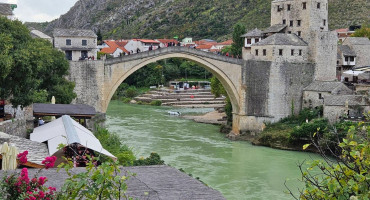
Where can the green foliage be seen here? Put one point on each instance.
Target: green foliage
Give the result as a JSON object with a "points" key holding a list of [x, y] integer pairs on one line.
{"points": [[112, 143], [126, 100], [153, 159], [131, 92], [238, 42], [28, 66], [229, 110], [362, 32], [97, 182], [170, 69], [156, 103], [217, 88], [306, 130], [40, 96], [344, 177]]}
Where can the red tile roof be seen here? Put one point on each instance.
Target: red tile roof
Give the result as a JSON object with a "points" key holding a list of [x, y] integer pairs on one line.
{"points": [[342, 30], [165, 41], [108, 50], [122, 45], [203, 42], [148, 41], [227, 42], [113, 45], [204, 46]]}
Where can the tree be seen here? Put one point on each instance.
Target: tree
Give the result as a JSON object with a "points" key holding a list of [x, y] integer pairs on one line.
{"points": [[238, 42], [362, 32], [28, 67], [345, 173]]}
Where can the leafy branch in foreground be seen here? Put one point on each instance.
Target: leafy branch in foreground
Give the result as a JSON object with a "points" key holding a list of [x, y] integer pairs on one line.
{"points": [[344, 171]]}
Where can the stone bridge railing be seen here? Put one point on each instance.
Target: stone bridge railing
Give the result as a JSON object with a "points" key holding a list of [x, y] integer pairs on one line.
{"points": [[169, 50]]}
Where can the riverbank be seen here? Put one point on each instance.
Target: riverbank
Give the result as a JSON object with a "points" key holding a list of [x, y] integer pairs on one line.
{"points": [[214, 117]]}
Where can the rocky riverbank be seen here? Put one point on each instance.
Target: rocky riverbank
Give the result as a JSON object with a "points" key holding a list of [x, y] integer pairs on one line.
{"points": [[215, 117]]}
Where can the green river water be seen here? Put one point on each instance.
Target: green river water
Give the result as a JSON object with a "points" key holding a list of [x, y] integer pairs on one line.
{"points": [[238, 170]]}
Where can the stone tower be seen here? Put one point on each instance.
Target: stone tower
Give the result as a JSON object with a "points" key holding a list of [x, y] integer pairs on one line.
{"points": [[309, 20]]}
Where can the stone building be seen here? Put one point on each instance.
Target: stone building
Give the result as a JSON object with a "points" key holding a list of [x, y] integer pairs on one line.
{"points": [[281, 47], [38, 34], [301, 29], [6, 10], [346, 60], [251, 38], [361, 47], [75, 43], [350, 107], [318, 91]]}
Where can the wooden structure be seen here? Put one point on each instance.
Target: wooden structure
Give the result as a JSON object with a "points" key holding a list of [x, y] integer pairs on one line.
{"points": [[77, 111]]}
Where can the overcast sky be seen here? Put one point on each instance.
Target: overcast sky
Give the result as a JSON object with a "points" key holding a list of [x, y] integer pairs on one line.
{"points": [[40, 10]]}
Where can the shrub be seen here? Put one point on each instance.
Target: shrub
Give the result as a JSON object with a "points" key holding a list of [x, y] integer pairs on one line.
{"points": [[153, 159], [112, 143], [131, 92], [126, 100], [306, 130], [156, 103]]}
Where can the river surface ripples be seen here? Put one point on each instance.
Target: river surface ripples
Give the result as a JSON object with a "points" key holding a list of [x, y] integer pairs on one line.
{"points": [[238, 170]]}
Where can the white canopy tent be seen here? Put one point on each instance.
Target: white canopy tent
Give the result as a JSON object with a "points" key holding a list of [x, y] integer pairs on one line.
{"points": [[65, 130]]}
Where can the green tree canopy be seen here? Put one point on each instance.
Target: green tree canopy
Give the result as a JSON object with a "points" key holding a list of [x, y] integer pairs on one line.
{"points": [[362, 32], [238, 42], [29, 67]]}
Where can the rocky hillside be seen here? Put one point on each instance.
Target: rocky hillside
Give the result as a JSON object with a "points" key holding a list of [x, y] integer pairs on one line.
{"points": [[197, 18]]}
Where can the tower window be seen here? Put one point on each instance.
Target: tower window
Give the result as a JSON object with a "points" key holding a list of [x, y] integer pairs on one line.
{"points": [[280, 52], [84, 42], [320, 96], [288, 7], [264, 52], [299, 33], [68, 42], [256, 52], [304, 4], [318, 5], [298, 22], [292, 52], [291, 23], [300, 52], [284, 21], [278, 8], [324, 22]]}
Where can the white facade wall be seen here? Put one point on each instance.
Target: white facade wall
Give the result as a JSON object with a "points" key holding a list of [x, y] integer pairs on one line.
{"points": [[253, 41], [133, 45]]}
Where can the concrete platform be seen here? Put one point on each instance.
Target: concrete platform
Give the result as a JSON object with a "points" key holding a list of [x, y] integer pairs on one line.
{"points": [[150, 182]]}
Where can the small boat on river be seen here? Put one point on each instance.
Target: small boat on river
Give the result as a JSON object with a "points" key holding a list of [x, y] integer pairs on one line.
{"points": [[174, 113]]}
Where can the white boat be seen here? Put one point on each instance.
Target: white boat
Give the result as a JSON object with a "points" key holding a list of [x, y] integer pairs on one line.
{"points": [[174, 113]]}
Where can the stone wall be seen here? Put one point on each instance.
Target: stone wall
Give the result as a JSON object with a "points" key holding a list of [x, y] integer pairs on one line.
{"points": [[323, 51], [16, 127], [88, 77], [76, 43], [287, 81], [97, 120], [273, 89], [311, 18], [311, 99], [334, 113], [272, 53]]}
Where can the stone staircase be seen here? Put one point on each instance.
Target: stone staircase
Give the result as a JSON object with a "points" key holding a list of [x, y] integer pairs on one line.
{"points": [[183, 98]]}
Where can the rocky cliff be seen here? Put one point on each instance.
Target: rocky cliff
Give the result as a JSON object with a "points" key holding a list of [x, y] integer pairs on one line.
{"points": [[197, 18]]}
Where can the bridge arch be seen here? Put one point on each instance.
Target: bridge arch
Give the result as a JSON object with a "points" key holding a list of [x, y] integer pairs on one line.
{"points": [[227, 70]]}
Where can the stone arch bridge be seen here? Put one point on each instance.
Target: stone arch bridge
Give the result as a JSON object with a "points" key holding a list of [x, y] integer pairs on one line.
{"points": [[260, 91]]}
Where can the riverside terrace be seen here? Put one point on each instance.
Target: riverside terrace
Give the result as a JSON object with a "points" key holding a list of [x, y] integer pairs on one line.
{"points": [[149, 182]]}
